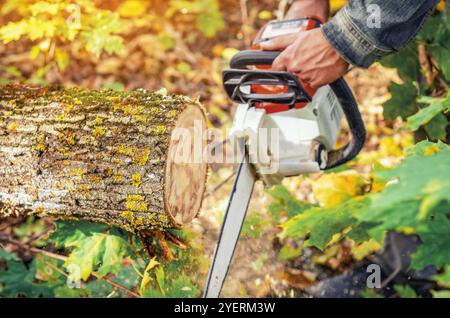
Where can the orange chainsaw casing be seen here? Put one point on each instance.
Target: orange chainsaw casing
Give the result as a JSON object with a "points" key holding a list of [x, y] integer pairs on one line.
{"points": [[272, 30]]}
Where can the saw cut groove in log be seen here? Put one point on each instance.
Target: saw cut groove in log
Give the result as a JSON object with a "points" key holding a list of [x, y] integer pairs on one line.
{"points": [[101, 156]]}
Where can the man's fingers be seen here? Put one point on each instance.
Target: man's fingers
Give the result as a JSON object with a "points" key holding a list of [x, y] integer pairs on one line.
{"points": [[279, 64], [279, 43]]}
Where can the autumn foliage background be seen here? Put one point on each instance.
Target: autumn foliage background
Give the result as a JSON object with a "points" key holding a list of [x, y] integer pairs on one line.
{"points": [[297, 234]]}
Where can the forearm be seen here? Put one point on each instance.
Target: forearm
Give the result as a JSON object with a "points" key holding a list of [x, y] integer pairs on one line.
{"points": [[366, 30]]}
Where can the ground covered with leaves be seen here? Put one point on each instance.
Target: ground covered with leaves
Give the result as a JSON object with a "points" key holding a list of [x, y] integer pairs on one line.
{"points": [[297, 235]]}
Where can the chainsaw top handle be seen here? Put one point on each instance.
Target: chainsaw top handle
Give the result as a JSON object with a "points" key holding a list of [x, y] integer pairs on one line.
{"points": [[239, 76], [239, 79], [247, 58]]}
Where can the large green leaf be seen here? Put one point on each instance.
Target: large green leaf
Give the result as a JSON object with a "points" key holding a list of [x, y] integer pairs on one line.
{"points": [[405, 291], [283, 201], [444, 278], [406, 61], [442, 55], [319, 225], [402, 103], [415, 200], [426, 114], [7, 256], [92, 248], [19, 280], [416, 178], [436, 129], [435, 247], [400, 216], [180, 287]]}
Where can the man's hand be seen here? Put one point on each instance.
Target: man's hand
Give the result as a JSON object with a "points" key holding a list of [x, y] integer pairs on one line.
{"points": [[309, 55]]}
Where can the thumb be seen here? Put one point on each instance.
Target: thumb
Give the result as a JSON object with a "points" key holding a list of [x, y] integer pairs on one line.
{"points": [[279, 43]]}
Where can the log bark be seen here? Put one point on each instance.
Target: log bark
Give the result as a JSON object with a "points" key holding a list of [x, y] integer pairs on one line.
{"points": [[100, 156]]}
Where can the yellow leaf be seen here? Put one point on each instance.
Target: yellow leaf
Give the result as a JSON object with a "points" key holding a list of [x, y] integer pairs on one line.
{"points": [[62, 59], [133, 8], [147, 278], [334, 188], [228, 53], [378, 185], [364, 249], [390, 147], [34, 53]]}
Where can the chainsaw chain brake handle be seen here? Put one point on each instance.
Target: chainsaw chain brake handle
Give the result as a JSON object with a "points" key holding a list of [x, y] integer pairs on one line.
{"points": [[239, 77]]}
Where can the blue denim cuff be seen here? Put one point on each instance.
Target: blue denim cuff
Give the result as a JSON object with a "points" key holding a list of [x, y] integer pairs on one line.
{"points": [[350, 42]]}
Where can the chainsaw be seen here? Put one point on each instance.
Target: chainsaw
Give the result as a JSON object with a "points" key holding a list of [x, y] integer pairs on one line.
{"points": [[281, 128]]}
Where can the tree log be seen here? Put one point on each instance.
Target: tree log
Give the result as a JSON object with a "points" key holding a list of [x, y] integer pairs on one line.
{"points": [[100, 156]]}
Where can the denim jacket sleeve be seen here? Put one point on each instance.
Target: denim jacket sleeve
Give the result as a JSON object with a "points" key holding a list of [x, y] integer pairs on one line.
{"points": [[366, 30]]}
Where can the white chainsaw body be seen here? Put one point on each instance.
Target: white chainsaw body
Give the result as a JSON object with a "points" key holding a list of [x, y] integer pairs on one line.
{"points": [[292, 142]]}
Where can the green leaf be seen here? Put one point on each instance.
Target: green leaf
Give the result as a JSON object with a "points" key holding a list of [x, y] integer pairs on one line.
{"points": [[7, 256], [210, 23], [441, 293], [160, 278], [405, 291], [401, 216], [406, 61], [68, 232], [435, 247], [92, 247], [101, 36], [425, 115], [402, 103], [415, 179], [254, 225], [65, 291], [370, 293], [442, 55], [288, 252], [181, 287], [444, 278], [436, 129], [322, 224], [115, 249], [208, 16], [45, 268], [425, 148], [283, 201], [18, 280]]}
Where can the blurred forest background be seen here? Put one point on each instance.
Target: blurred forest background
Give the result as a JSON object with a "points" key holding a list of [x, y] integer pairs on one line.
{"points": [[298, 236]]}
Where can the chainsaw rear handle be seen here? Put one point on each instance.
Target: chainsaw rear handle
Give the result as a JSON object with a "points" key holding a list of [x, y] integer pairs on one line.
{"points": [[340, 88], [356, 124]]}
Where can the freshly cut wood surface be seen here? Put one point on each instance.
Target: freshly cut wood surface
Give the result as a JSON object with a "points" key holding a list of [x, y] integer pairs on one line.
{"points": [[101, 156]]}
